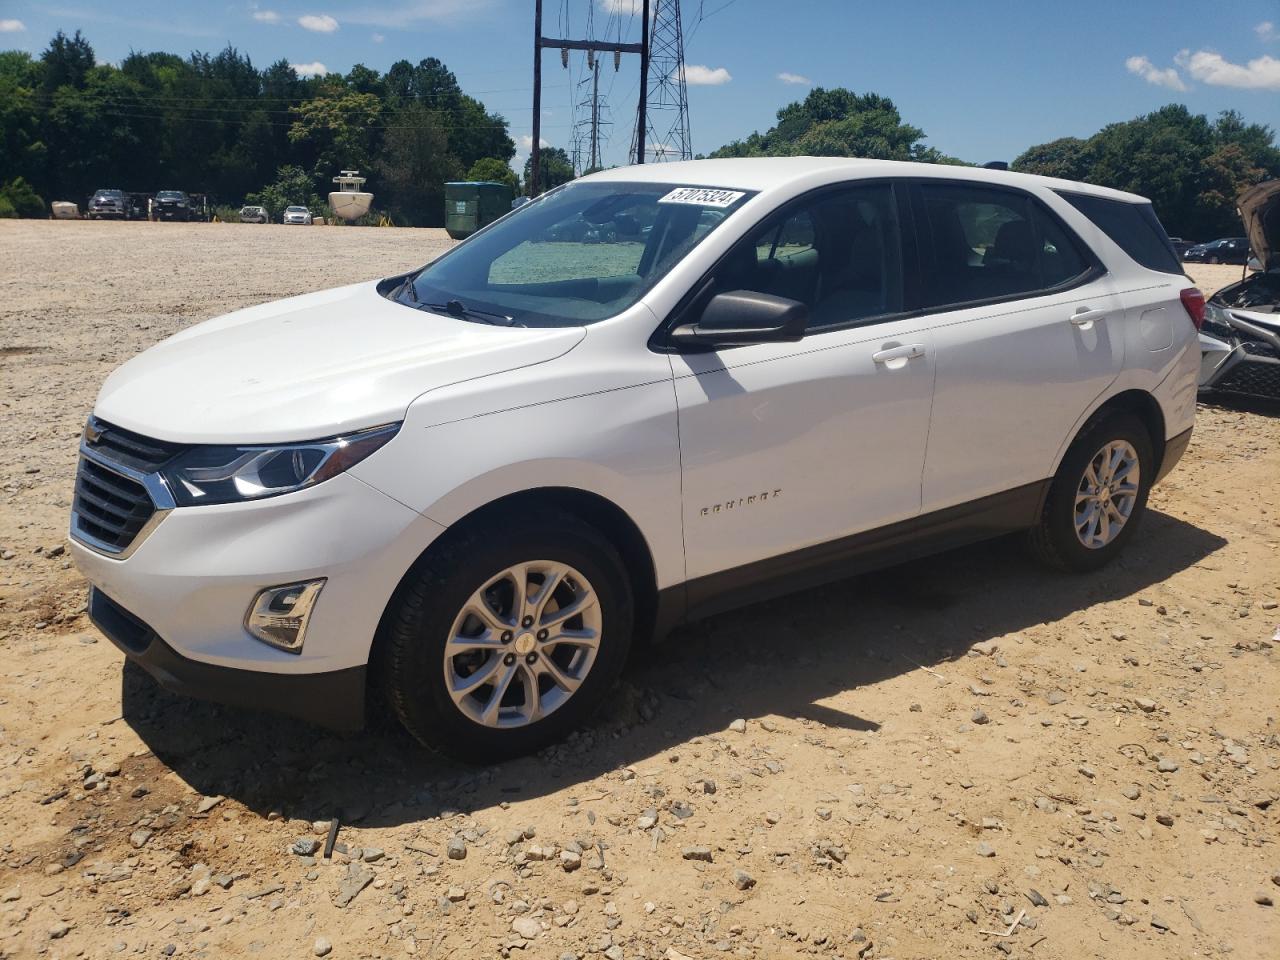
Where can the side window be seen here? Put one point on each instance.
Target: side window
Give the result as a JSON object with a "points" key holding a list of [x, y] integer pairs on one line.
{"points": [[1060, 258], [838, 253], [1133, 227], [985, 244]]}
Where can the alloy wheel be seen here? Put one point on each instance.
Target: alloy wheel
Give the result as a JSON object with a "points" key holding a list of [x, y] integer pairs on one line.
{"points": [[522, 644], [1107, 494]]}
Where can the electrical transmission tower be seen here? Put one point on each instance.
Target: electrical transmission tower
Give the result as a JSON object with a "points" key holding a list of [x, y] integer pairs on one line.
{"points": [[595, 47], [589, 132], [667, 113]]}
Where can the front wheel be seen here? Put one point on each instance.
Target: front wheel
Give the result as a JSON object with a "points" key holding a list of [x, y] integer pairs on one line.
{"points": [[508, 637], [1097, 496]]}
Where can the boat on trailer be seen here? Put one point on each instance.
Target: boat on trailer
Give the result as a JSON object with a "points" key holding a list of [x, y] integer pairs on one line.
{"points": [[349, 201]]}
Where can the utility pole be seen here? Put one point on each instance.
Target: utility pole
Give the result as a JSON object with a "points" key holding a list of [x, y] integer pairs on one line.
{"points": [[564, 45], [641, 120], [532, 185], [595, 116]]}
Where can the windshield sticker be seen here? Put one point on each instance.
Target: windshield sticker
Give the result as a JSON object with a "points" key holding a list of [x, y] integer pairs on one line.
{"points": [[703, 197]]}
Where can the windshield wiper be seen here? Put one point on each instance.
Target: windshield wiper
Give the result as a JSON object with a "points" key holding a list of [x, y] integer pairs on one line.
{"points": [[456, 308], [407, 286]]}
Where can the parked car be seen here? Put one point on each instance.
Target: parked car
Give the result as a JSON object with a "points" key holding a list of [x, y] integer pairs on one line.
{"points": [[1230, 250], [473, 485], [254, 215], [107, 205], [171, 205], [1180, 246], [1242, 320], [296, 215]]}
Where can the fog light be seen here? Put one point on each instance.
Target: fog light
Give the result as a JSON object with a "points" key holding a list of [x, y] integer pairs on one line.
{"points": [[279, 615]]}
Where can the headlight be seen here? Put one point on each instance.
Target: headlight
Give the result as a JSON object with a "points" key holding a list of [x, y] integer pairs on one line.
{"points": [[208, 474]]}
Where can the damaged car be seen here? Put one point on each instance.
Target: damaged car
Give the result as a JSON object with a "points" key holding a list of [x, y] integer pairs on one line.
{"points": [[1240, 339]]}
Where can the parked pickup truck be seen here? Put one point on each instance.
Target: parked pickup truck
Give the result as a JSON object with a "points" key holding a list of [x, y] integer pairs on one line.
{"points": [[106, 205]]}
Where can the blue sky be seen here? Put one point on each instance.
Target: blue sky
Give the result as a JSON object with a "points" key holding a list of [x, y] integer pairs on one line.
{"points": [[984, 80]]}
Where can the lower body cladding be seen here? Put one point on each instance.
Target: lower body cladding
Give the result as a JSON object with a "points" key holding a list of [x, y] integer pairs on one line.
{"points": [[179, 605], [1240, 356]]}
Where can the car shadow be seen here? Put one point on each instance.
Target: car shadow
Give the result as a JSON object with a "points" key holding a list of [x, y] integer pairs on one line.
{"points": [[1262, 406], [779, 658]]}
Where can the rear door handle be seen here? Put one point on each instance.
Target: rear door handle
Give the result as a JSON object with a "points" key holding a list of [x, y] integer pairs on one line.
{"points": [[1086, 315], [908, 351]]}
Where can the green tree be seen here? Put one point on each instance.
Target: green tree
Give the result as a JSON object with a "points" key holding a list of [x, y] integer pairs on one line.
{"points": [[498, 171], [415, 164], [67, 61], [21, 146], [18, 196], [292, 187], [337, 132], [1192, 169], [554, 168], [838, 123]]}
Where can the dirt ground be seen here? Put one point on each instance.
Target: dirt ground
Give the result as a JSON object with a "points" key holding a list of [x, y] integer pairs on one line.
{"points": [[962, 757]]}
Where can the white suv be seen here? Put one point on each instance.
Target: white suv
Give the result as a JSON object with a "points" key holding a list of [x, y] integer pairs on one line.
{"points": [[651, 394]]}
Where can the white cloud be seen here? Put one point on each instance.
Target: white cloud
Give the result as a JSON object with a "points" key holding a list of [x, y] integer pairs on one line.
{"points": [[697, 75], [313, 69], [526, 142], [12, 26], [623, 7], [266, 16], [1148, 71], [794, 78], [318, 23], [406, 13], [377, 38], [1266, 31], [1261, 73]]}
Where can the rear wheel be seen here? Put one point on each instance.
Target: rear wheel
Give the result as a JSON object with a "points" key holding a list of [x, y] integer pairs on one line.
{"points": [[1098, 495], [508, 637]]}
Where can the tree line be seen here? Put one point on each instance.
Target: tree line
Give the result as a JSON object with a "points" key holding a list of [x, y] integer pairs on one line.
{"points": [[216, 124]]}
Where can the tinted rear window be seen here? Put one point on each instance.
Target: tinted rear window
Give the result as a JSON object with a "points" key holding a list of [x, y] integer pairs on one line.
{"points": [[1134, 228]]}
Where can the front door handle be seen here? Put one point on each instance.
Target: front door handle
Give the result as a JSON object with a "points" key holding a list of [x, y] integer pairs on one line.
{"points": [[908, 351], [1086, 315]]}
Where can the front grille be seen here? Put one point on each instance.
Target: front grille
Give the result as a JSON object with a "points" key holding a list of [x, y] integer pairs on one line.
{"points": [[112, 504], [1260, 348], [133, 450], [1257, 378], [109, 507]]}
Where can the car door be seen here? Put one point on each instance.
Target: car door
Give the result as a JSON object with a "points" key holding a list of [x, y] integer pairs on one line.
{"points": [[788, 445], [1028, 332]]}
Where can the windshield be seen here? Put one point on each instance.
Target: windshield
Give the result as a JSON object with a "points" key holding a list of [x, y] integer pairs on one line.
{"points": [[295, 209], [171, 195], [582, 253]]}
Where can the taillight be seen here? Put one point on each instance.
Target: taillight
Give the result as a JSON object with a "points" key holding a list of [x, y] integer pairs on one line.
{"points": [[1193, 302]]}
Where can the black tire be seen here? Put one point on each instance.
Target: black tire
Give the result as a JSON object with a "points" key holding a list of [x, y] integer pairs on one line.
{"points": [[1054, 539], [421, 614]]}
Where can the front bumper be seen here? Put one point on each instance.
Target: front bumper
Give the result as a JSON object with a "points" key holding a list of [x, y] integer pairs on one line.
{"points": [[193, 577], [333, 699], [1243, 358]]}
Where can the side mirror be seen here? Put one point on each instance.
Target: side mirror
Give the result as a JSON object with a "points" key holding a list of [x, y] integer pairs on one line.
{"points": [[738, 318]]}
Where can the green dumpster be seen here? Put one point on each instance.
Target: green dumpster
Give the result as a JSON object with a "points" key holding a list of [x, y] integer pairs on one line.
{"points": [[470, 205]]}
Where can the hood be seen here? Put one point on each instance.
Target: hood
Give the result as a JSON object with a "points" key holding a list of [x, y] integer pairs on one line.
{"points": [[1260, 211], [310, 367]]}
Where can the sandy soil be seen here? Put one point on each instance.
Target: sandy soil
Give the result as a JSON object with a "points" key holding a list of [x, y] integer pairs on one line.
{"points": [[962, 757]]}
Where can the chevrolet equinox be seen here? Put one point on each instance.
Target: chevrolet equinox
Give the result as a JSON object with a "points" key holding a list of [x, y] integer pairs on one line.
{"points": [[647, 396]]}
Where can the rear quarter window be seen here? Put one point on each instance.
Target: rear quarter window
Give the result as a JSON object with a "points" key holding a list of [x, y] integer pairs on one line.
{"points": [[1133, 227]]}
